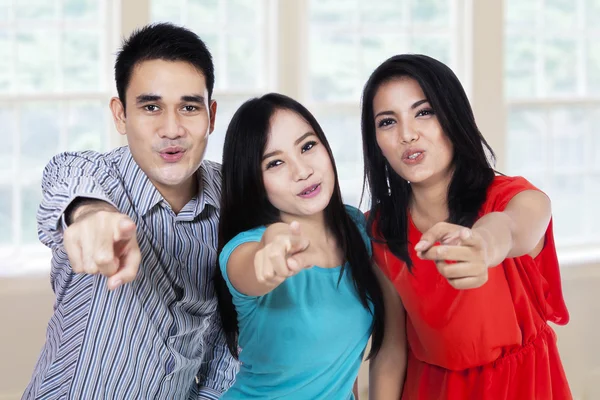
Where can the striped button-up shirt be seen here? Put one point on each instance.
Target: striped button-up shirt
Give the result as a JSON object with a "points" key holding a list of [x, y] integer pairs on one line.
{"points": [[158, 337]]}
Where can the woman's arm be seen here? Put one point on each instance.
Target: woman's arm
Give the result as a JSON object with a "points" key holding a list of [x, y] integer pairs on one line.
{"points": [[256, 268], [388, 368], [518, 230]]}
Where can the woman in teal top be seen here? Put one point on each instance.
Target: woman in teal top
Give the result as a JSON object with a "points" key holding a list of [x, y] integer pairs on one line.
{"points": [[298, 295]]}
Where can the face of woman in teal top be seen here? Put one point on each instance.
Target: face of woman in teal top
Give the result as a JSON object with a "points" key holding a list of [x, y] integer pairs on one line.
{"points": [[297, 171]]}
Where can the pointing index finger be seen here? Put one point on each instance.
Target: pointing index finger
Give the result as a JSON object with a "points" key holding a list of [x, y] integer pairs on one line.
{"points": [[298, 242]]}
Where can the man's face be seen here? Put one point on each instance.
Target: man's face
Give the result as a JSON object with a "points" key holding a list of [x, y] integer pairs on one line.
{"points": [[167, 121]]}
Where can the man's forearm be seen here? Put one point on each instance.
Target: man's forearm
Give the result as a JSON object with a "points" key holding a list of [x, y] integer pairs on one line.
{"points": [[82, 207]]}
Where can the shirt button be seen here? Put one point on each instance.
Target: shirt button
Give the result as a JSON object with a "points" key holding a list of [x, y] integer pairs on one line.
{"points": [[171, 340]]}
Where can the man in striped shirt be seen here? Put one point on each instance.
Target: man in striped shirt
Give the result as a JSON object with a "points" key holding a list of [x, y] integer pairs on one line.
{"points": [[133, 234]]}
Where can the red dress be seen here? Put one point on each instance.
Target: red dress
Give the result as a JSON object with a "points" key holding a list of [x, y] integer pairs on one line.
{"points": [[492, 342]]}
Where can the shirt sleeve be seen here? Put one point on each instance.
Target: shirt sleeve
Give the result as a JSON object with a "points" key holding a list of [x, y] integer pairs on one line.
{"points": [[68, 176]]}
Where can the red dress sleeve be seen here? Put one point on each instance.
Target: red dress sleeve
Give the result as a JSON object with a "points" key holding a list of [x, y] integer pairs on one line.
{"points": [[548, 288]]}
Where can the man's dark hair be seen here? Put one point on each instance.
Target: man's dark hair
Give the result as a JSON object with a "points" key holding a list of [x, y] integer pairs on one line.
{"points": [[162, 41]]}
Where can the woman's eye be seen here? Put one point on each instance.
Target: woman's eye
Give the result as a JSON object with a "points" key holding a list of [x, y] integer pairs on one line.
{"points": [[274, 163], [308, 146], [424, 112], [385, 122]]}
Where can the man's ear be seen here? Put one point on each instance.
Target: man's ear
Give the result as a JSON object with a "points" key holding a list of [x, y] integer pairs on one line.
{"points": [[213, 115], [118, 112]]}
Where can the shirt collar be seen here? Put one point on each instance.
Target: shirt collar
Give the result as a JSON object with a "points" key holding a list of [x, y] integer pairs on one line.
{"points": [[145, 196]]}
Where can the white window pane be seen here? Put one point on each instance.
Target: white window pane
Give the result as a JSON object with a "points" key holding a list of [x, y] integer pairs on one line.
{"points": [[520, 14], [326, 12], [592, 11], [166, 10], [243, 13], [431, 13], [225, 111], [519, 66], [593, 67], [6, 214], [569, 128], [438, 47], [243, 61], [560, 15], [87, 10], [569, 216], [560, 64], [593, 199], [31, 196], [39, 136], [595, 137], [5, 10], [7, 150], [6, 60], [382, 12], [334, 64], [375, 49], [36, 60], [36, 9], [527, 134], [81, 60], [87, 126], [200, 12]]}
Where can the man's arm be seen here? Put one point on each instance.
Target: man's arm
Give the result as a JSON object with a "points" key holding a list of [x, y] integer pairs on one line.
{"points": [[83, 206], [78, 215], [219, 368], [69, 176]]}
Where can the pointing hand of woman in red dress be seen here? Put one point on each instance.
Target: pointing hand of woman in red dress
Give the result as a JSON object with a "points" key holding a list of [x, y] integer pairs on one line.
{"points": [[460, 254]]}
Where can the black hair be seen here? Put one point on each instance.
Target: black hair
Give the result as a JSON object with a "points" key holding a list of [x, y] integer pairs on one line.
{"points": [[162, 41]]}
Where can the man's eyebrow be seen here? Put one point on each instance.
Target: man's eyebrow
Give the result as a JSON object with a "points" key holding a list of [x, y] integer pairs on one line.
{"points": [[193, 98], [146, 98]]}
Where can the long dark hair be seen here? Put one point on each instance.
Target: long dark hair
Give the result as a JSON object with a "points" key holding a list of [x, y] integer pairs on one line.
{"points": [[244, 206], [473, 173]]}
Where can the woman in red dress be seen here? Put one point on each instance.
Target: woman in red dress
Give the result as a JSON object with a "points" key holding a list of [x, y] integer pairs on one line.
{"points": [[470, 252]]}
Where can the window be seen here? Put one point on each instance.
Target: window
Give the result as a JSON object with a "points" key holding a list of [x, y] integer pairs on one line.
{"points": [[552, 87], [56, 60], [237, 34], [55, 80]]}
